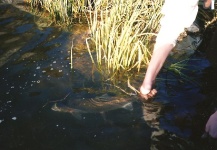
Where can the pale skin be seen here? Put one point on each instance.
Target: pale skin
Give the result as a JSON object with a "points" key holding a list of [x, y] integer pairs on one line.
{"points": [[206, 3], [159, 56]]}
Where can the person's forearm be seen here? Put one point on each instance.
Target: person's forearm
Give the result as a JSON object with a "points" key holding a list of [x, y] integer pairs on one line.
{"points": [[158, 58]]}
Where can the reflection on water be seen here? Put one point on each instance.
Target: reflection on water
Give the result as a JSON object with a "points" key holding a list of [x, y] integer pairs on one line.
{"points": [[36, 79]]}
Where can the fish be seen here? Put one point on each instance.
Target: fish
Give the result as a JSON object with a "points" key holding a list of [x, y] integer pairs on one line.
{"points": [[101, 104]]}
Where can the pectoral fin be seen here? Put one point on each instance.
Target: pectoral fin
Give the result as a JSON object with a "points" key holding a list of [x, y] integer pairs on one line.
{"points": [[128, 106]]}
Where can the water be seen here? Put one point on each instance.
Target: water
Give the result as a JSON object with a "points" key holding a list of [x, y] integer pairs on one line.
{"points": [[35, 74]]}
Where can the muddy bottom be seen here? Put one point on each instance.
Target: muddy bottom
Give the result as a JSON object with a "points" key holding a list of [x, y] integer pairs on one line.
{"points": [[44, 104]]}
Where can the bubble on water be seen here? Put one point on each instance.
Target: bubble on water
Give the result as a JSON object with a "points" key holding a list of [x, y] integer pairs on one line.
{"points": [[54, 62], [12, 87], [7, 92], [83, 117], [51, 68], [31, 84], [8, 101], [64, 128], [60, 71], [38, 67], [14, 118], [95, 135], [1, 120], [34, 75], [57, 125], [43, 71], [38, 81]]}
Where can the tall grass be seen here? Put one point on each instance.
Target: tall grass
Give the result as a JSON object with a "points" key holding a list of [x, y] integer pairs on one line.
{"points": [[123, 33], [122, 30], [61, 11]]}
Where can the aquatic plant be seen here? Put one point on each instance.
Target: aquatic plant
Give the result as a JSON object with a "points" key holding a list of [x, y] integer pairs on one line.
{"points": [[123, 33], [185, 67], [61, 11]]}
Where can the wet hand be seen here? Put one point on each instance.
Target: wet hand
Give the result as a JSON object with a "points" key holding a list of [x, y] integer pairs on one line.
{"points": [[149, 95], [207, 4]]}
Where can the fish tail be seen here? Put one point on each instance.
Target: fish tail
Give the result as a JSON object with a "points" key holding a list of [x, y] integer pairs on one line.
{"points": [[77, 114]]}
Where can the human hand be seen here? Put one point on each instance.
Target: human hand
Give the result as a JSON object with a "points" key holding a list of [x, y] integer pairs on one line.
{"points": [[207, 4], [182, 35], [148, 95]]}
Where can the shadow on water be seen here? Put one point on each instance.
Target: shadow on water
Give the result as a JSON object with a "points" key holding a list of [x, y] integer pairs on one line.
{"points": [[44, 104]]}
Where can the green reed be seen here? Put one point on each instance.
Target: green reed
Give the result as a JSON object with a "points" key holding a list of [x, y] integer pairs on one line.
{"points": [[123, 33], [61, 11], [181, 67]]}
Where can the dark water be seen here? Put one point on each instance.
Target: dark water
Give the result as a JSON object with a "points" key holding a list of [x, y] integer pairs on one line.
{"points": [[35, 73]]}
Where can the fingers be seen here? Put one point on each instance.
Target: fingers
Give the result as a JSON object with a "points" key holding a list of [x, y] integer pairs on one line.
{"points": [[148, 96], [182, 36], [153, 92], [206, 4]]}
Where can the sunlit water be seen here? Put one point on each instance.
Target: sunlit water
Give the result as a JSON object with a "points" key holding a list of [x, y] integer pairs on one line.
{"points": [[36, 74]]}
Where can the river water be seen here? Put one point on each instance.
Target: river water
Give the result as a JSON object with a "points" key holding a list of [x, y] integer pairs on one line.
{"points": [[35, 73]]}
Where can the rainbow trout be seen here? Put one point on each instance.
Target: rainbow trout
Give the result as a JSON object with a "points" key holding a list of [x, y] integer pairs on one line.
{"points": [[101, 104]]}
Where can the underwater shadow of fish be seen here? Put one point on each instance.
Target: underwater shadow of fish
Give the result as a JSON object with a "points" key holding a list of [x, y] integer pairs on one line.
{"points": [[101, 105]]}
